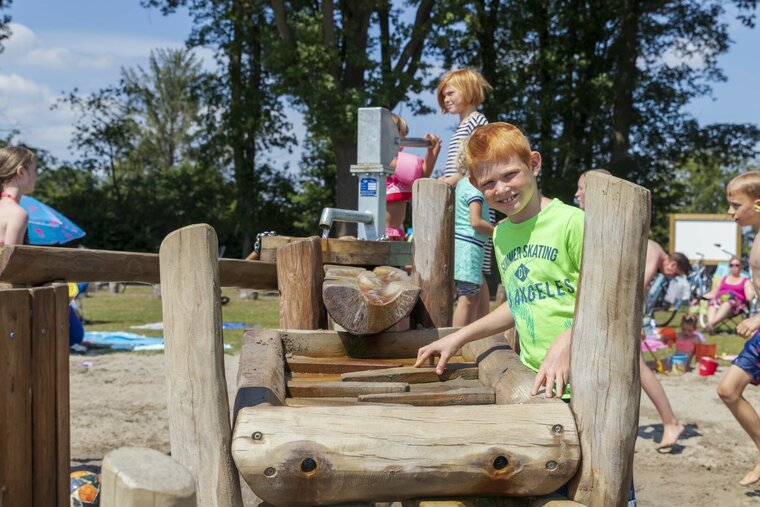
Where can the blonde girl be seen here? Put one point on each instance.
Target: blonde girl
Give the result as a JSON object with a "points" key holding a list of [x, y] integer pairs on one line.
{"points": [[18, 174]]}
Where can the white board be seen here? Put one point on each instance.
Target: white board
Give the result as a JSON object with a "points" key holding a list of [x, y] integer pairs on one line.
{"points": [[698, 235]]}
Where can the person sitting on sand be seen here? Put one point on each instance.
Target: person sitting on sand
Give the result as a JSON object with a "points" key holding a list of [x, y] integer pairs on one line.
{"points": [[688, 337]]}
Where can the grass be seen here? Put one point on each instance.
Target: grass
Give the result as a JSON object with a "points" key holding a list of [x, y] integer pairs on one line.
{"points": [[105, 311]]}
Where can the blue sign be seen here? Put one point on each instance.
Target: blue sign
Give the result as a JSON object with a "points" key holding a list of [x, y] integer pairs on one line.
{"points": [[368, 187]]}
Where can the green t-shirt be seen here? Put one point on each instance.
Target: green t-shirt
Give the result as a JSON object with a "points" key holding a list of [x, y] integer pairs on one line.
{"points": [[540, 261]]}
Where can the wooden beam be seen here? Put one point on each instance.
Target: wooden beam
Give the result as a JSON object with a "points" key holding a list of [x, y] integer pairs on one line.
{"points": [[37, 265], [552, 500], [327, 455], [604, 371], [347, 252], [136, 477], [336, 366], [199, 413], [390, 345], [62, 410], [306, 389], [455, 396], [261, 371], [414, 375], [433, 266], [299, 276], [367, 302]]}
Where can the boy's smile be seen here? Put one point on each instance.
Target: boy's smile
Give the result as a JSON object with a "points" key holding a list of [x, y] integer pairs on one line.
{"points": [[741, 207], [510, 186]]}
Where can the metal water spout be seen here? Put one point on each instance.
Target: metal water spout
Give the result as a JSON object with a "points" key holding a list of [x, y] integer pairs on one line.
{"points": [[365, 218]]}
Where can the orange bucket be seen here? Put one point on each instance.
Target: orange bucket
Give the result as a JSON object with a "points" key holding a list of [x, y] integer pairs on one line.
{"points": [[707, 366], [705, 350]]}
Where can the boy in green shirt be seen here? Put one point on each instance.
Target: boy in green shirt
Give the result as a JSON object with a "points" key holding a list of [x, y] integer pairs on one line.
{"points": [[538, 251]]}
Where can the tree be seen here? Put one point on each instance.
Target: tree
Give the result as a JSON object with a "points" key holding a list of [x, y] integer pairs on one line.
{"points": [[5, 19]]}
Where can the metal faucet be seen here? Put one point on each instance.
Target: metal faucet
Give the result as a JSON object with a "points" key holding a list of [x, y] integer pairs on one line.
{"points": [[330, 215]]}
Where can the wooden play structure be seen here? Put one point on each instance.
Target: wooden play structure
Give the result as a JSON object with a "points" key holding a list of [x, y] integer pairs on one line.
{"points": [[327, 417]]}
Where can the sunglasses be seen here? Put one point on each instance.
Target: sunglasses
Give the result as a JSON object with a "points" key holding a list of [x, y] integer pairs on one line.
{"points": [[734, 265]]}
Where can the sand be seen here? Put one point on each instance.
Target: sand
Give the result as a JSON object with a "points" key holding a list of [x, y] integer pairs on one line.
{"points": [[120, 400]]}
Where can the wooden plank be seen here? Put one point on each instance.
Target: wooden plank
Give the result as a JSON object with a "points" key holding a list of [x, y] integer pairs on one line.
{"points": [[299, 276], [433, 266], [336, 366], [322, 402], [44, 427], [62, 412], [413, 375], [199, 414], [367, 302], [460, 396], [605, 345], [347, 252], [390, 345], [552, 500], [300, 389], [36, 265], [329, 455], [137, 477], [16, 477], [261, 371]]}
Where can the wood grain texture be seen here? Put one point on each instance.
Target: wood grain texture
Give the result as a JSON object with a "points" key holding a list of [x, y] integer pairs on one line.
{"points": [[336, 366], [456, 396], [433, 266], [261, 371], [368, 302], [306, 389], [414, 375], [16, 477], [36, 265], [392, 452], [62, 411], [553, 500], [391, 345], [199, 414], [348, 252], [139, 477], [604, 371], [299, 277]]}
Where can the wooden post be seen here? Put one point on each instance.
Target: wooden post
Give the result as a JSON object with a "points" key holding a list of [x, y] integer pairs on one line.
{"points": [[299, 277], [135, 477], [330, 455], [604, 371], [261, 371], [433, 265], [199, 413], [34, 374]]}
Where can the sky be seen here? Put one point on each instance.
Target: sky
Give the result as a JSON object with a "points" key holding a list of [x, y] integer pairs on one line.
{"points": [[60, 45]]}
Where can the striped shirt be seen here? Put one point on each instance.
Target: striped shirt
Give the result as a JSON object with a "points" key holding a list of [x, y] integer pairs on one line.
{"points": [[463, 130]]}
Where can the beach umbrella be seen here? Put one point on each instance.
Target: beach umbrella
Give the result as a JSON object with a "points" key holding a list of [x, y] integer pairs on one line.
{"points": [[46, 225]]}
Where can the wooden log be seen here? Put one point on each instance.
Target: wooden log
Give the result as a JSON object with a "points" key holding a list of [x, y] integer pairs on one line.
{"points": [[391, 345], [62, 412], [299, 276], [136, 477], [37, 265], [433, 266], [604, 371], [347, 252], [414, 375], [457, 396], [336, 366], [553, 500], [325, 455], [500, 367], [368, 302], [199, 414], [305, 389], [16, 477], [261, 371]]}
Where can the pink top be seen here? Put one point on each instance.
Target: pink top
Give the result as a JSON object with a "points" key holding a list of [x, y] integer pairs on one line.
{"points": [[736, 291], [688, 345]]}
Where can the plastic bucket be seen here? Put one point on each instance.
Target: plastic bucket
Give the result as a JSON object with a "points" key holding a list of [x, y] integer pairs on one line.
{"points": [[408, 167], [705, 350], [678, 363], [707, 366]]}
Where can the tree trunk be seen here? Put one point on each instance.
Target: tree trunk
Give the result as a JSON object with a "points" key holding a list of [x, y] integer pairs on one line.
{"points": [[345, 183], [625, 81]]}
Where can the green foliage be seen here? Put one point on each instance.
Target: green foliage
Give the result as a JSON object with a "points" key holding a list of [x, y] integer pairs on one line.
{"points": [[317, 184], [5, 19]]}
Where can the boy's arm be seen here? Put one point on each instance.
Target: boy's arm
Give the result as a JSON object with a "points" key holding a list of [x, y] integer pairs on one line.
{"points": [[555, 370], [476, 220], [495, 322]]}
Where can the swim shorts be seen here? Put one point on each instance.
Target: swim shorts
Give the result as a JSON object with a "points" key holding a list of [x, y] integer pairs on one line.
{"points": [[749, 358]]}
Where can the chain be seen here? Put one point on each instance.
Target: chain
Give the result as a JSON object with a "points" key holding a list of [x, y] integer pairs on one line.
{"points": [[257, 244]]}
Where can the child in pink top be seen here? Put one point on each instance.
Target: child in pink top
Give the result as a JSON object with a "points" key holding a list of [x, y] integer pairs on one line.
{"points": [[688, 337]]}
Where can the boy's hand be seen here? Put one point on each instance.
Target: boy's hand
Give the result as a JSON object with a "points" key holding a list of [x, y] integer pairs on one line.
{"points": [[747, 327], [555, 370], [444, 347]]}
